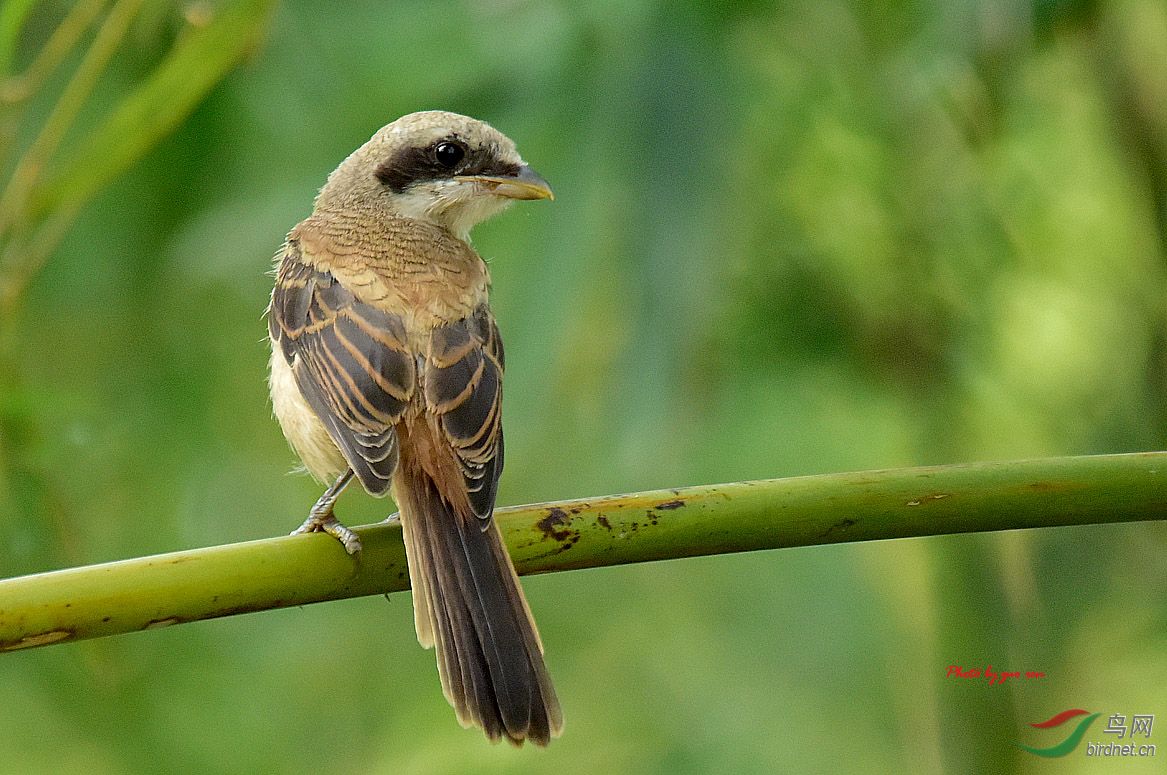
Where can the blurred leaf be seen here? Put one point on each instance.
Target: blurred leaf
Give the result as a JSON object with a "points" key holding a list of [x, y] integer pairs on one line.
{"points": [[13, 14], [156, 107]]}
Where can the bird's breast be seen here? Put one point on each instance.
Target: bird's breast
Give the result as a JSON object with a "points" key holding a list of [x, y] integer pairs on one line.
{"points": [[407, 267]]}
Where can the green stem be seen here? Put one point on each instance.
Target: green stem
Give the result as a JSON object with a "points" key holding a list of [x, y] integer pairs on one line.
{"points": [[28, 170], [13, 15], [79, 19], [24, 256], [199, 584]]}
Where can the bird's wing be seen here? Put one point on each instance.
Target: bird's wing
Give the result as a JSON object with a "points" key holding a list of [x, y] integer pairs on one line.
{"points": [[350, 360], [462, 383]]}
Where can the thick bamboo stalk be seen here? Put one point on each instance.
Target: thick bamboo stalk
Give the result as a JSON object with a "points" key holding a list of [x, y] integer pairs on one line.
{"points": [[167, 589]]}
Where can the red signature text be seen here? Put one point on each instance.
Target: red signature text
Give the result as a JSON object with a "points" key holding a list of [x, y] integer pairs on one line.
{"points": [[994, 677]]}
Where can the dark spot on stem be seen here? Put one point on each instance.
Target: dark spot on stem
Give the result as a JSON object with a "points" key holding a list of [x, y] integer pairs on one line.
{"points": [[670, 505], [603, 522], [841, 525], [553, 524]]}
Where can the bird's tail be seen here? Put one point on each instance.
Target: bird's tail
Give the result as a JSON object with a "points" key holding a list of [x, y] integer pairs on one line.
{"points": [[467, 602]]}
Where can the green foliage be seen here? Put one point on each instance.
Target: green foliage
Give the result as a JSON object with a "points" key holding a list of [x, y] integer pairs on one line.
{"points": [[52, 178], [196, 63], [789, 238]]}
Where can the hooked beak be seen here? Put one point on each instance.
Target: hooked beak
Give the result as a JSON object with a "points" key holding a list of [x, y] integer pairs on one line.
{"points": [[525, 184]]}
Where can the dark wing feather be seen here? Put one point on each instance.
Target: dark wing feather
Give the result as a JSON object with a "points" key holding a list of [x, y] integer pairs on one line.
{"points": [[350, 361], [463, 388]]}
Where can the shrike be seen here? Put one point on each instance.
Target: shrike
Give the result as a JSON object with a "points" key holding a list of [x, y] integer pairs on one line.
{"points": [[387, 365]]}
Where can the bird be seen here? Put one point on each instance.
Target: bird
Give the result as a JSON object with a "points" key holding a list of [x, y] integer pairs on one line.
{"points": [[387, 367]]}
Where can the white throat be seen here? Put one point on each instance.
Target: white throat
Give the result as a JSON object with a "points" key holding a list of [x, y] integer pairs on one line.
{"points": [[455, 206]]}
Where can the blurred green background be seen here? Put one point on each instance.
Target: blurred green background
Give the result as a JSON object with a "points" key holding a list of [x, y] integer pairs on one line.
{"points": [[789, 238]]}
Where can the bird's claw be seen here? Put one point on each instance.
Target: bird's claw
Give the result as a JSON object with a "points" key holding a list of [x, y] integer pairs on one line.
{"points": [[327, 523], [321, 520]]}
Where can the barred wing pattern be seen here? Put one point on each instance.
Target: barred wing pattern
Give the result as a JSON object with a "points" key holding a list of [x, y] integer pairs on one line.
{"points": [[354, 366], [351, 363], [462, 381]]}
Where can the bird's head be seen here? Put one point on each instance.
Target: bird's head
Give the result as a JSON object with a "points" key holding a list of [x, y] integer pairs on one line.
{"points": [[434, 166]]}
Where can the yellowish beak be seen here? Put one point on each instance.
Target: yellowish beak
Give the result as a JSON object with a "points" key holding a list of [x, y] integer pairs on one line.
{"points": [[527, 184]]}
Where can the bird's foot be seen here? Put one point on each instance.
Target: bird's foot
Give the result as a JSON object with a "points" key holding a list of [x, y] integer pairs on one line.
{"points": [[393, 519], [327, 523], [321, 520]]}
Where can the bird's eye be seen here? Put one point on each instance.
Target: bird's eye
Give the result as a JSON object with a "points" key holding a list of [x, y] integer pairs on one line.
{"points": [[449, 154]]}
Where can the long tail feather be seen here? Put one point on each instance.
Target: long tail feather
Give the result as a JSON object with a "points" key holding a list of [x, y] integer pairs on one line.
{"points": [[468, 603]]}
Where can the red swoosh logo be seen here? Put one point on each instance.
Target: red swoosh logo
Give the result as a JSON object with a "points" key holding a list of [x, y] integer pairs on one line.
{"points": [[1061, 718]]}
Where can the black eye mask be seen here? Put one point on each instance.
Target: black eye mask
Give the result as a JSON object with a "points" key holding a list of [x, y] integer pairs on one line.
{"points": [[441, 160]]}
